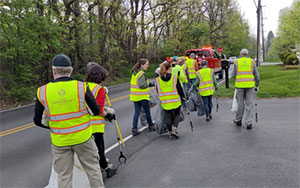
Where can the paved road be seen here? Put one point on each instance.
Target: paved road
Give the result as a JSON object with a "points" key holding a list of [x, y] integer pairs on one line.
{"points": [[219, 154], [26, 159]]}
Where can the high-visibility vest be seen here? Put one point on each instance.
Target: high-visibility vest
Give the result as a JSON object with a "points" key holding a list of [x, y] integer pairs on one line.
{"points": [[244, 73], [65, 107], [206, 86], [136, 93], [97, 122], [168, 94], [182, 76], [191, 68]]}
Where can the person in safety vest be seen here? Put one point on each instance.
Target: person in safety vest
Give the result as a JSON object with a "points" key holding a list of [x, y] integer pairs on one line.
{"points": [[64, 102], [95, 76], [246, 78], [177, 70], [170, 94], [207, 84], [191, 68], [139, 94]]}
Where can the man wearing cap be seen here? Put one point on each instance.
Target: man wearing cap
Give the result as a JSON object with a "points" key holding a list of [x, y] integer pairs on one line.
{"points": [[191, 69], [207, 84], [64, 102], [246, 78]]}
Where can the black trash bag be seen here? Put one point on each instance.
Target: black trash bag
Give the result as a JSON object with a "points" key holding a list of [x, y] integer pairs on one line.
{"points": [[200, 109]]}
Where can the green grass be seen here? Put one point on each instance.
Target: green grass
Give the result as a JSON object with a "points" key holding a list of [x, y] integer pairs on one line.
{"points": [[274, 82]]}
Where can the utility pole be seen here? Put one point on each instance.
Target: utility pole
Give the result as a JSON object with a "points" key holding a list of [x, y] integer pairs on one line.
{"points": [[262, 35], [258, 32]]}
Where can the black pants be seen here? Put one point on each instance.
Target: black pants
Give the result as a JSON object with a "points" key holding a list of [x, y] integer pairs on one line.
{"points": [[172, 117], [99, 140]]}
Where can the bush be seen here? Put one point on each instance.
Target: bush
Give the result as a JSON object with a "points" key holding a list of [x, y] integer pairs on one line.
{"points": [[291, 59]]}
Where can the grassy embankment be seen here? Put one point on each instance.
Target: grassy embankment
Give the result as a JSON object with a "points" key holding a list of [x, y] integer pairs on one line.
{"points": [[275, 81]]}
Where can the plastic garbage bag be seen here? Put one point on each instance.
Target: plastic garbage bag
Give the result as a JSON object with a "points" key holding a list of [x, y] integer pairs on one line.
{"points": [[159, 118], [234, 103], [143, 118], [153, 99]]}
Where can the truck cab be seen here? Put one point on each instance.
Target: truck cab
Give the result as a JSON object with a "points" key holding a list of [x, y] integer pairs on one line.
{"points": [[211, 56]]}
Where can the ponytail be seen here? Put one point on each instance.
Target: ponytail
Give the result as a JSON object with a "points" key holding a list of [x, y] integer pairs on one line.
{"points": [[164, 67], [138, 65]]}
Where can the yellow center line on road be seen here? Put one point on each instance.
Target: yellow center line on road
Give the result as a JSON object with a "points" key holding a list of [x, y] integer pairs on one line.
{"points": [[17, 129], [27, 126]]}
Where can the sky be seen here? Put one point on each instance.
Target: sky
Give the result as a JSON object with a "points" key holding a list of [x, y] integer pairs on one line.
{"points": [[270, 12]]}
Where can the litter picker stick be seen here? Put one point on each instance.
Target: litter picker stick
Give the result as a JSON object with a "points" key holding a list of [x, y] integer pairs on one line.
{"points": [[255, 92], [119, 136], [217, 100]]}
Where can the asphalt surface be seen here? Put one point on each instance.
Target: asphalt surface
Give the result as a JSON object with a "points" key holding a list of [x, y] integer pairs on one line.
{"points": [[220, 154]]}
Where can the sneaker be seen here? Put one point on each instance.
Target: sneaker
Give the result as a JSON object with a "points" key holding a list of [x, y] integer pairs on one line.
{"points": [[249, 126], [210, 117], [110, 171], [173, 135], [135, 132], [151, 128], [238, 123], [207, 119]]}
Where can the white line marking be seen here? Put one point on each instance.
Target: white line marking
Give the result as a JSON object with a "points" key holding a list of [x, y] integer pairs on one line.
{"points": [[125, 139]]}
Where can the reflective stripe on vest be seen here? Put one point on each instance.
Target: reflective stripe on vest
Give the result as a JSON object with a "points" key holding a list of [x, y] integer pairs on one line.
{"points": [[70, 130], [69, 120], [206, 86], [97, 122], [244, 73], [191, 69], [136, 93], [167, 93]]}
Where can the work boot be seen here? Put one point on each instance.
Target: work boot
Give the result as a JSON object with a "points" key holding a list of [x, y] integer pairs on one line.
{"points": [[238, 123], [135, 132], [207, 119], [111, 170], [151, 128], [249, 126], [173, 135]]}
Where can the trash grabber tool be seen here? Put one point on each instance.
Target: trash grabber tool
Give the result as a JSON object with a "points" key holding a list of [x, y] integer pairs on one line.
{"points": [[122, 158], [187, 109], [255, 103], [217, 100]]}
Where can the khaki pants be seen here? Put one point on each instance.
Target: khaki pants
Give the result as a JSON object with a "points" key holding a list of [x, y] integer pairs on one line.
{"points": [[89, 159]]}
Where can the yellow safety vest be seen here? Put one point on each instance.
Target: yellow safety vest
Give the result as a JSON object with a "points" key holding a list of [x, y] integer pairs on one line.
{"points": [[168, 94], [136, 93], [206, 86], [182, 76], [244, 73], [191, 68], [69, 120], [97, 122]]}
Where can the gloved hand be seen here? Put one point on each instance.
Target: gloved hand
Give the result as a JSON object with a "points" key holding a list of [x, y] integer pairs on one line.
{"points": [[110, 114], [151, 84], [109, 117], [105, 89]]}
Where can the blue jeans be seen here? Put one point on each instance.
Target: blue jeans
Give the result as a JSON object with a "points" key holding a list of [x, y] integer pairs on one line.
{"points": [[137, 111], [207, 101]]}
